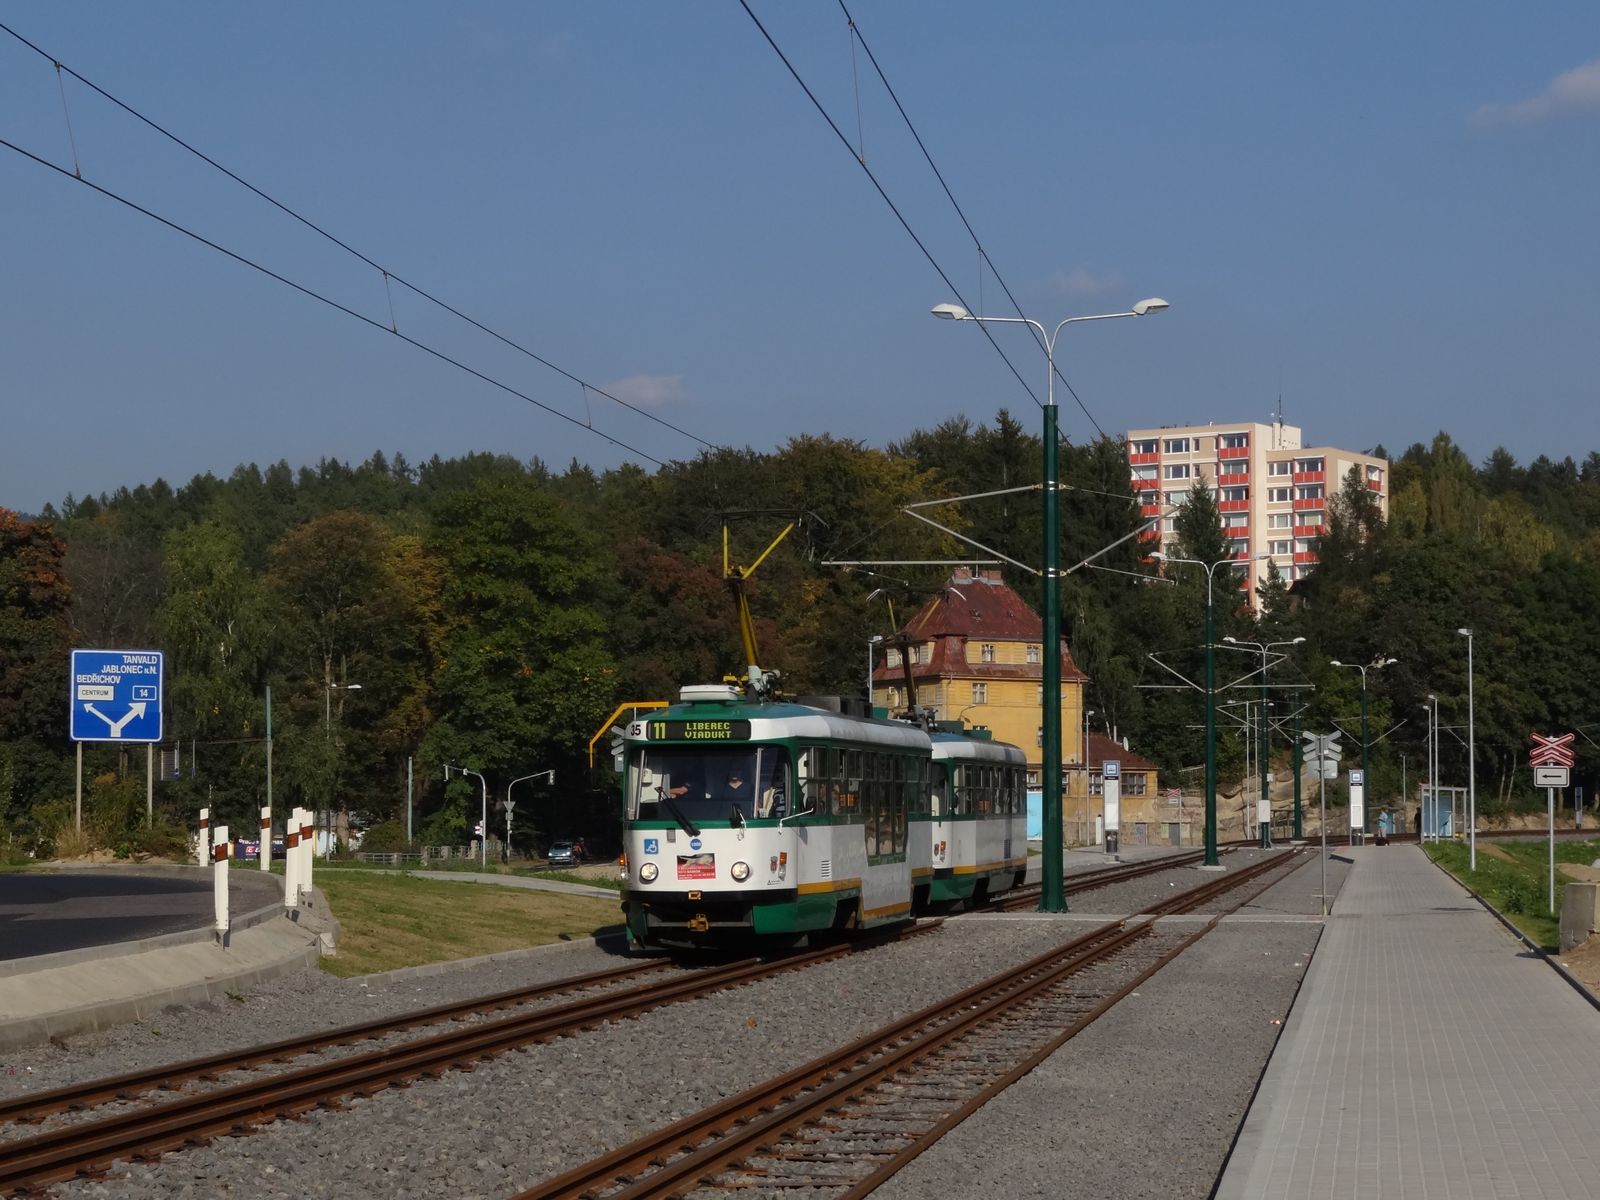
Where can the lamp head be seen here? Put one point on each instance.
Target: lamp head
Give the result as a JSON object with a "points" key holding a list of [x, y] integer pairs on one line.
{"points": [[1388, 662], [1158, 556], [1297, 641], [1154, 304], [951, 312], [1466, 633], [1229, 638]]}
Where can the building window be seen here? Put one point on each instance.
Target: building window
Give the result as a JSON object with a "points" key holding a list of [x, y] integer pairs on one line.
{"points": [[1311, 518], [1240, 547], [1033, 654], [893, 658], [1235, 441], [1280, 520], [1312, 491], [1144, 472], [1142, 446], [1175, 471], [1169, 525], [925, 652], [980, 693], [894, 697], [1304, 545], [1097, 784], [1033, 779], [1150, 497], [1177, 446], [1235, 520], [1279, 495], [1135, 783], [1177, 497], [1038, 738], [1281, 467], [1234, 494], [1374, 474], [1308, 464], [987, 652], [1278, 547]]}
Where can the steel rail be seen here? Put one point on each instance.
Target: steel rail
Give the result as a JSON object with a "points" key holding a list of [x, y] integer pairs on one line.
{"points": [[732, 1130], [148, 1132], [35, 1106], [1085, 881]]}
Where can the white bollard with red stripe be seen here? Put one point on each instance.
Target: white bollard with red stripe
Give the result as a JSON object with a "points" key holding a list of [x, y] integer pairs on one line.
{"points": [[219, 881], [308, 847], [205, 837], [265, 856], [291, 860]]}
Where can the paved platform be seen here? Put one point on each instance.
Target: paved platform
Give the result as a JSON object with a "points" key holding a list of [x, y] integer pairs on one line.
{"points": [[1428, 1055]]}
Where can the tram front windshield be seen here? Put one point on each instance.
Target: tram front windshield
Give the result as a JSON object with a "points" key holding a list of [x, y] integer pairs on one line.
{"points": [[704, 784]]}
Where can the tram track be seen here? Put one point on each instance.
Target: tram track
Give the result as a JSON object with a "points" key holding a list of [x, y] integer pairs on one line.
{"points": [[1027, 897], [844, 1123], [145, 1133]]}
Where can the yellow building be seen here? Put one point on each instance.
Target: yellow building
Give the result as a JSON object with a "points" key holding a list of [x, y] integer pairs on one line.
{"points": [[977, 656]]}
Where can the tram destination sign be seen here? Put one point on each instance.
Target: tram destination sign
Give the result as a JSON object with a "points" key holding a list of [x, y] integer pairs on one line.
{"points": [[698, 731], [116, 695]]}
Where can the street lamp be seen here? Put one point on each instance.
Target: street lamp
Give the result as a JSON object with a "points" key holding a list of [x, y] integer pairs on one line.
{"points": [[511, 804], [1211, 695], [483, 838], [1051, 897], [1366, 781], [327, 701], [1472, 766], [1433, 782], [871, 642], [1265, 752]]}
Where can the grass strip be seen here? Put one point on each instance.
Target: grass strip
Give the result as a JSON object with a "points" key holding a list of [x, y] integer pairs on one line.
{"points": [[1517, 881]]}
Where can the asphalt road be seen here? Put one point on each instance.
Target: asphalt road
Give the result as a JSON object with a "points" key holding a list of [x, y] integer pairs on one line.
{"points": [[48, 913]]}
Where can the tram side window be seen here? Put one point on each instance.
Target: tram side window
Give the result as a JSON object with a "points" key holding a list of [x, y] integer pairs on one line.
{"points": [[820, 771], [897, 792], [938, 785]]}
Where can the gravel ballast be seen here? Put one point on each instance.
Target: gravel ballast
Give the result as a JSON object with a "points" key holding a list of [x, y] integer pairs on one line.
{"points": [[1166, 1073]]}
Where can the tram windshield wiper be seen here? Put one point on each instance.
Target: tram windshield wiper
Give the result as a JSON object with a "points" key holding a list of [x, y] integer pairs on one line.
{"points": [[689, 826]]}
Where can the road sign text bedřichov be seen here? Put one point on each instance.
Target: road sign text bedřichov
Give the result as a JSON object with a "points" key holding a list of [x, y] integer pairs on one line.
{"points": [[116, 695]]}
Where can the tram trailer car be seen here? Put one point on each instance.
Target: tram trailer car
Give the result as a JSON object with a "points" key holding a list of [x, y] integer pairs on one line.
{"points": [[750, 819], [978, 826]]}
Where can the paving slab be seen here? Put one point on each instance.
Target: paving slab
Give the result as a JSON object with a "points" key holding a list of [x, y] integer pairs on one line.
{"points": [[1429, 1055]]}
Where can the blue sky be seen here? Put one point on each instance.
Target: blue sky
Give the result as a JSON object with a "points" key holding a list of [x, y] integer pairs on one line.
{"points": [[1384, 213]]}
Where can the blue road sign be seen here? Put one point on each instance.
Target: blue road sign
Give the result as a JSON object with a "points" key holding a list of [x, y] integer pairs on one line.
{"points": [[116, 695]]}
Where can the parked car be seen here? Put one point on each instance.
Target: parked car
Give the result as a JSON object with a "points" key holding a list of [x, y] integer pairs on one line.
{"points": [[564, 854]]}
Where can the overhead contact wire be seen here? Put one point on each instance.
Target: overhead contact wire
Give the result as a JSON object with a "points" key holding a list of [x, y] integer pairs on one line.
{"points": [[331, 303], [346, 247]]}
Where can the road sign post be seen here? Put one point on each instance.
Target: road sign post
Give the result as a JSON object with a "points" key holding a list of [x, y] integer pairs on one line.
{"points": [[1551, 758], [1324, 750]]}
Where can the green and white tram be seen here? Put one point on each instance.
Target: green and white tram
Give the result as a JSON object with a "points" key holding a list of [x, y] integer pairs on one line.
{"points": [[978, 831], [750, 817]]}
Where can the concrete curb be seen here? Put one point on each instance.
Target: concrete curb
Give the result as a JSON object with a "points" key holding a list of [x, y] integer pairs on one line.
{"points": [[610, 934], [303, 952]]}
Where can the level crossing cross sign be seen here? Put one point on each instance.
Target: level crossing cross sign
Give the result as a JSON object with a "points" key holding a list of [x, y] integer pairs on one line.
{"points": [[116, 695], [1552, 750]]}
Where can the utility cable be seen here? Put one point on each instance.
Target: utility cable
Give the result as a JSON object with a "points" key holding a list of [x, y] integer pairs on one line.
{"points": [[306, 291], [899, 216], [983, 254], [314, 227]]}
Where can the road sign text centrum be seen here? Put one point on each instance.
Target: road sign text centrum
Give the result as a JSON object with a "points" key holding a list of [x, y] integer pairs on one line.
{"points": [[116, 695], [1552, 751]]}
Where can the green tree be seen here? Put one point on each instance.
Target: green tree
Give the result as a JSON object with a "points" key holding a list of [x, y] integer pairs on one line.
{"points": [[34, 609]]}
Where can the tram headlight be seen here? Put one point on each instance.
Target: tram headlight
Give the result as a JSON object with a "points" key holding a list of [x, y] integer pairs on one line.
{"points": [[648, 872], [740, 871]]}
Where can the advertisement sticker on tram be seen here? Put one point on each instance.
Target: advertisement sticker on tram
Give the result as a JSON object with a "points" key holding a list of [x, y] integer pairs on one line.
{"points": [[697, 866]]}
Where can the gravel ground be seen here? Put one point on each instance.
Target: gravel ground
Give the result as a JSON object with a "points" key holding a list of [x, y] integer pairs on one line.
{"points": [[529, 1114]]}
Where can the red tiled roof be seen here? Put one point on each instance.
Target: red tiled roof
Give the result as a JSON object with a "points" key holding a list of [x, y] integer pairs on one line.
{"points": [[1101, 748], [976, 609]]}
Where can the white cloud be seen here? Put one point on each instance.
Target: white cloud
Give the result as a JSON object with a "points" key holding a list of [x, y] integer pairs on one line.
{"points": [[1079, 283], [648, 391], [1577, 90]]}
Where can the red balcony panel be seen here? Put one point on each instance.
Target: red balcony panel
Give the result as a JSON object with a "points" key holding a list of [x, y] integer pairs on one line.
{"points": [[1233, 452], [1150, 535], [1235, 506], [1233, 481], [1150, 510], [1308, 476], [1375, 484], [1305, 556], [1307, 531], [1305, 505], [1140, 460]]}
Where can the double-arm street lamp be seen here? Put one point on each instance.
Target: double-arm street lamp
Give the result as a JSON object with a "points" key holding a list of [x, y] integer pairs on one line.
{"points": [[1211, 693], [1051, 897], [327, 702], [1266, 730], [483, 837], [872, 643], [1366, 779]]}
